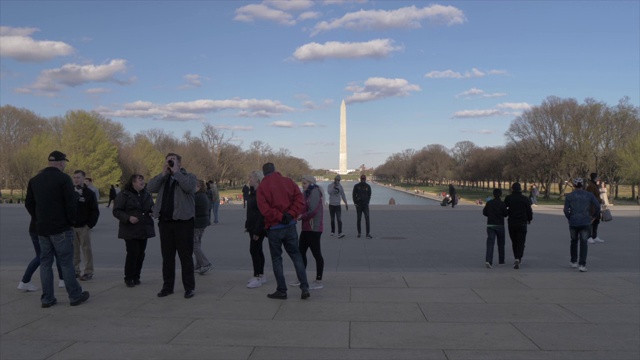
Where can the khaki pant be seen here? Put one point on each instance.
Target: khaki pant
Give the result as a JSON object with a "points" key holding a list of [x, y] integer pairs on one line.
{"points": [[82, 241]]}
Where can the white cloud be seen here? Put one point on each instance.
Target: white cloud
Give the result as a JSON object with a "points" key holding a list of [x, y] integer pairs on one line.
{"points": [[192, 81], [17, 44], [309, 124], [195, 110], [473, 73], [407, 17], [54, 80], [377, 48], [514, 106], [234, 127], [289, 5], [281, 123], [94, 91], [252, 12], [334, 2], [308, 15], [476, 113], [380, 88], [477, 93]]}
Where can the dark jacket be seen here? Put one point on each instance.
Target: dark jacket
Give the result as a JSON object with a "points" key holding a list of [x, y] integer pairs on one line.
{"points": [[112, 193], [87, 212], [255, 221], [581, 207], [519, 208], [495, 210], [361, 194], [131, 203], [51, 200], [203, 205]]}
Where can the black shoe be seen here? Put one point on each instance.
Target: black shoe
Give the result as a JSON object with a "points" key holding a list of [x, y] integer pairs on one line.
{"points": [[129, 283], [277, 295], [516, 264], [358, 235], [136, 282], [83, 297], [46, 306], [86, 277], [305, 295], [189, 294], [164, 293]]}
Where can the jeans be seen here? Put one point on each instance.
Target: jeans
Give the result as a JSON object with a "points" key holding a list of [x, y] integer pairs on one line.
{"points": [[257, 255], [59, 246], [201, 258], [35, 262], [215, 206], [311, 240], [492, 233], [594, 228], [518, 235], [135, 257], [362, 209], [579, 233], [335, 212], [82, 244], [287, 237], [177, 236]]}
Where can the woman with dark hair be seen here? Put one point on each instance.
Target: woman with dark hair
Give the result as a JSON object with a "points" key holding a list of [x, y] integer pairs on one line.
{"points": [[254, 225], [201, 221], [132, 206]]}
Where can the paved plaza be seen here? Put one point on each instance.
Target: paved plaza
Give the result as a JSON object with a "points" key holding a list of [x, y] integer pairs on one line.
{"points": [[417, 290]]}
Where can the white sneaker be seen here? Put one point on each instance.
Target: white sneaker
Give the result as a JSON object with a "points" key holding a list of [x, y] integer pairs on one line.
{"points": [[256, 282], [582, 268], [488, 265], [316, 285], [295, 283], [591, 241], [340, 236], [61, 284], [27, 287], [597, 239], [574, 265], [263, 279], [332, 234]]}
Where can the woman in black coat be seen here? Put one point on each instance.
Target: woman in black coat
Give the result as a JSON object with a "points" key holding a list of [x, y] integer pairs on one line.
{"points": [[132, 207]]}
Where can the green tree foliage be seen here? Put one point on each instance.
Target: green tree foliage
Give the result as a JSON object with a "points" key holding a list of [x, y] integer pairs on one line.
{"points": [[29, 160], [88, 148]]}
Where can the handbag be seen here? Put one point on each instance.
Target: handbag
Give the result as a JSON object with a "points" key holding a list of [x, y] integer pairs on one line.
{"points": [[605, 214]]}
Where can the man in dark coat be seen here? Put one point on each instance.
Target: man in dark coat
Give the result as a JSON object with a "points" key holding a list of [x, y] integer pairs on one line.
{"points": [[520, 215], [361, 197], [495, 210]]}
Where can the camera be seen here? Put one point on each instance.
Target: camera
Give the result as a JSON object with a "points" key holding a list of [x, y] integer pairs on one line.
{"points": [[171, 163]]}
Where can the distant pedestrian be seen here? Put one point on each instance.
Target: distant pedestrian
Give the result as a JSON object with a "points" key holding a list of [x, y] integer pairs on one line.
{"points": [[201, 221], [254, 225], [281, 202], [361, 198], [520, 215], [133, 206], [215, 205], [245, 195], [312, 226], [51, 200], [533, 195], [175, 210], [336, 193], [453, 196], [495, 210], [581, 208], [112, 194], [594, 188], [87, 215]]}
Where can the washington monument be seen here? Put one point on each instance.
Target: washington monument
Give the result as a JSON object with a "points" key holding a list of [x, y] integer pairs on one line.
{"points": [[342, 169]]}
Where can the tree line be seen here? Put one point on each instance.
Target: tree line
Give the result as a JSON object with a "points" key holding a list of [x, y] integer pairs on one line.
{"points": [[109, 154], [548, 144]]}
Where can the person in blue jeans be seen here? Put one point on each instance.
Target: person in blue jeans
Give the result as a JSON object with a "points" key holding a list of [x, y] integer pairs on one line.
{"points": [[495, 210], [581, 208], [26, 284]]}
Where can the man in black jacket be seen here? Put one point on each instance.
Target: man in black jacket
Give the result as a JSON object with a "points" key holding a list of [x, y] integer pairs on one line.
{"points": [[361, 197], [495, 210], [50, 199], [520, 214], [87, 214]]}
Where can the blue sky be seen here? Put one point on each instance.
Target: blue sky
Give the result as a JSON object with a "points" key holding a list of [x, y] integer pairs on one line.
{"points": [[413, 73]]}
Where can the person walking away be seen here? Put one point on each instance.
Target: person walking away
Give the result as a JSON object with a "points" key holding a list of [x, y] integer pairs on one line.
{"points": [[202, 220], [132, 207], [312, 226], [336, 193], [216, 202], [51, 201], [361, 197], [209, 193], [281, 202], [453, 196], [533, 195], [581, 208], [245, 195], [175, 210], [112, 194], [495, 210], [520, 215], [87, 214], [254, 225], [594, 188], [604, 196], [33, 265]]}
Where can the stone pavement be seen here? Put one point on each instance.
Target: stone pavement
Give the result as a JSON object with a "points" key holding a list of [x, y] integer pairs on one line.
{"points": [[418, 290]]}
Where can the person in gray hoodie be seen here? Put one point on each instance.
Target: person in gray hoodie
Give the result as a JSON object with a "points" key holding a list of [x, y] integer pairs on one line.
{"points": [[175, 210], [336, 193]]}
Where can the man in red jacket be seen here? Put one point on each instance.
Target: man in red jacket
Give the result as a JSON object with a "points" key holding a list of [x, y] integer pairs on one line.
{"points": [[280, 201]]}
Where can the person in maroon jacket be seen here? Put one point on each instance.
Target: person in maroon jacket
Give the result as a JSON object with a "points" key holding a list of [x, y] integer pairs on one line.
{"points": [[281, 202]]}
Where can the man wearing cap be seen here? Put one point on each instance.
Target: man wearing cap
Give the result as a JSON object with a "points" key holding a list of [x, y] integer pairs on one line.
{"points": [[51, 200], [594, 188], [87, 215], [581, 208], [361, 197], [336, 193], [281, 203], [520, 215]]}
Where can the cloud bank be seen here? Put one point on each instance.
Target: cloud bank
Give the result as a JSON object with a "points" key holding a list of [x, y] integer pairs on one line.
{"points": [[378, 48], [379, 88], [17, 44]]}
